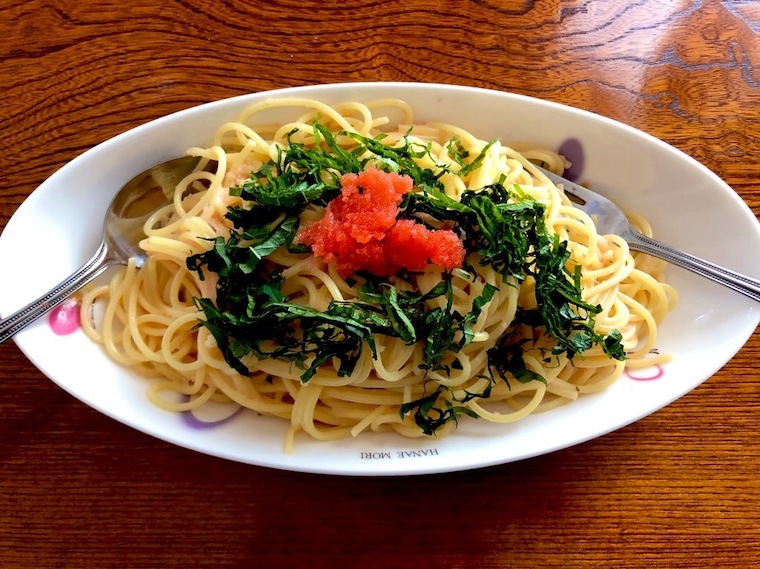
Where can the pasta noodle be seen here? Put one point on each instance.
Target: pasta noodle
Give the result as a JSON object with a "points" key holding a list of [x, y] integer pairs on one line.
{"points": [[150, 317]]}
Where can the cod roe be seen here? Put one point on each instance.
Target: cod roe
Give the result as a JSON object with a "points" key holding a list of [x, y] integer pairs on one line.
{"points": [[360, 230]]}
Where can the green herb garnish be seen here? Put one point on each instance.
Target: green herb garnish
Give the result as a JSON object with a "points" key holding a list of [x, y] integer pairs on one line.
{"points": [[251, 317]]}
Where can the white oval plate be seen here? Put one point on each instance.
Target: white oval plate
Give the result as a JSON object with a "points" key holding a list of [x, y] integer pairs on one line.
{"points": [[59, 225]]}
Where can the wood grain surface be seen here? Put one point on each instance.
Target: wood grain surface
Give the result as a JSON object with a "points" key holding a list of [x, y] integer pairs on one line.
{"points": [[680, 488]]}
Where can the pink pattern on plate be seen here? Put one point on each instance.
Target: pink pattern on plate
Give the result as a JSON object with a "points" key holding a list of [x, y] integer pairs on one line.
{"points": [[646, 374], [64, 318]]}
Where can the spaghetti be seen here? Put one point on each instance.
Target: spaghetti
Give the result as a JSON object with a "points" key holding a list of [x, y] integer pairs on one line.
{"points": [[172, 320]]}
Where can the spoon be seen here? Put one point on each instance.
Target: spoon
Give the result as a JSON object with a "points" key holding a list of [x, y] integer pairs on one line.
{"points": [[122, 233]]}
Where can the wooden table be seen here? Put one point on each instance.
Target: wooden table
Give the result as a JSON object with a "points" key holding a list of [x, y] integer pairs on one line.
{"points": [[680, 488]]}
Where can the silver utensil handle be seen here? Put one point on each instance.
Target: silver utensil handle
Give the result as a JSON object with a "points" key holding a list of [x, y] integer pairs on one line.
{"points": [[740, 283], [19, 320]]}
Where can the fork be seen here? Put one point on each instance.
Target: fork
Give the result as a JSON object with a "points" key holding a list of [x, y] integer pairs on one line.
{"points": [[610, 219]]}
